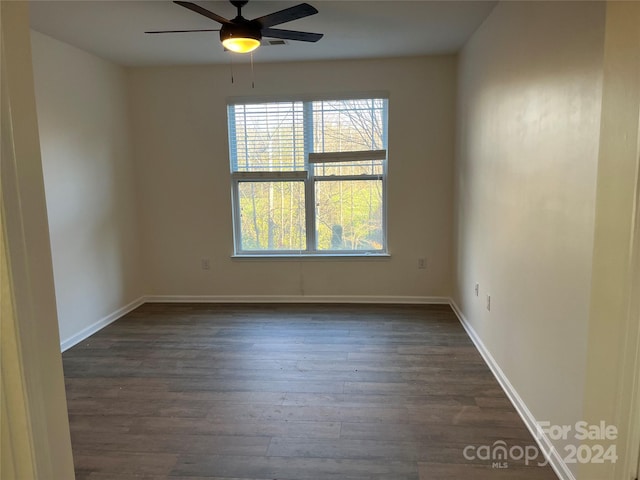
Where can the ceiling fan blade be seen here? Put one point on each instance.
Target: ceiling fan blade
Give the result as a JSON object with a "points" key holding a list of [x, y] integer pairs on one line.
{"points": [[291, 35], [203, 11], [185, 31], [286, 15]]}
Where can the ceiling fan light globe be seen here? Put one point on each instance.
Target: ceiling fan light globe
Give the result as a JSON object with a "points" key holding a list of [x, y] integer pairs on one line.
{"points": [[241, 44]]}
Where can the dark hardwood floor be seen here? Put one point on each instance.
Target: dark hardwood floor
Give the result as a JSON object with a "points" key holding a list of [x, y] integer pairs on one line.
{"points": [[288, 392]]}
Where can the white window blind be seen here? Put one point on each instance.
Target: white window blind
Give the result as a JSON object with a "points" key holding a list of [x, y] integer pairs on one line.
{"points": [[361, 156], [266, 136]]}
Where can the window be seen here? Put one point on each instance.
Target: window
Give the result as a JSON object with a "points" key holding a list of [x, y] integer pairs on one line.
{"points": [[309, 177]]}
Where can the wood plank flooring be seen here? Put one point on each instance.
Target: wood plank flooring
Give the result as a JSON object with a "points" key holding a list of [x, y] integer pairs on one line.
{"points": [[287, 392]]}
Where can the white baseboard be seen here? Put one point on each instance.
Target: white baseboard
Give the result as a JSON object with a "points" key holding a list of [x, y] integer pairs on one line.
{"points": [[100, 324], [555, 460], [408, 300]]}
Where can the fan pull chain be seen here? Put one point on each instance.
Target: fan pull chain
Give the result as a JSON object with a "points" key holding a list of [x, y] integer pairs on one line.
{"points": [[253, 77]]}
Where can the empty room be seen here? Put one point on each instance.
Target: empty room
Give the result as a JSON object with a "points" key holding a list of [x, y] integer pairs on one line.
{"points": [[381, 240]]}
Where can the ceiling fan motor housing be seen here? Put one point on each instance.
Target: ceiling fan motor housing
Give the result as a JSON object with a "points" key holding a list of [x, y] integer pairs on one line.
{"points": [[240, 27]]}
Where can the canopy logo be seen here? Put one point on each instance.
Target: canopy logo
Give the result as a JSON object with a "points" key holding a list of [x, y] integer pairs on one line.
{"points": [[500, 454]]}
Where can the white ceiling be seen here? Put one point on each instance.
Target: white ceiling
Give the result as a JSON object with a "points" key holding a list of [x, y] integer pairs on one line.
{"points": [[114, 29]]}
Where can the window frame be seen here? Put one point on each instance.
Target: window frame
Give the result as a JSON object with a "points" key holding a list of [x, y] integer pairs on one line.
{"points": [[310, 180]]}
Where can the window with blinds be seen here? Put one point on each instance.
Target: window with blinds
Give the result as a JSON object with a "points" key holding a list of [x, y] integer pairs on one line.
{"points": [[309, 177]]}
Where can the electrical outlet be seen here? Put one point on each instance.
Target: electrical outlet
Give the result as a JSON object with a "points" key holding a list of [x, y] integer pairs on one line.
{"points": [[477, 289], [422, 263], [205, 264], [489, 303]]}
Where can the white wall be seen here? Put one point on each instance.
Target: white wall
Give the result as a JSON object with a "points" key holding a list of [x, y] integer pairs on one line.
{"points": [[88, 171], [181, 149], [529, 104]]}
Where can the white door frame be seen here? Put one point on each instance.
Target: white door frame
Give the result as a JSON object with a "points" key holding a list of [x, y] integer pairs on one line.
{"points": [[38, 443]]}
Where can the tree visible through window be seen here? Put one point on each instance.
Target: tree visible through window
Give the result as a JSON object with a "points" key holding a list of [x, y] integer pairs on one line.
{"points": [[308, 177]]}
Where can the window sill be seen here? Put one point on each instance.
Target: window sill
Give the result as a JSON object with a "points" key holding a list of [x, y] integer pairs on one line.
{"points": [[312, 256]]}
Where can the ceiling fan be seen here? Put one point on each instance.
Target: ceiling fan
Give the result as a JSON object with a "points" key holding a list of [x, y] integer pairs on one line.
{"points": [[241, 35]]}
